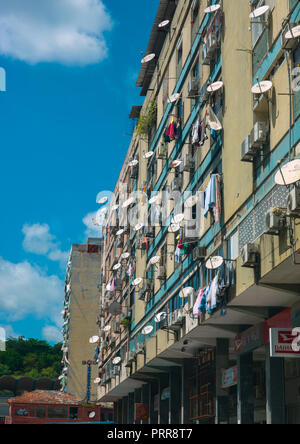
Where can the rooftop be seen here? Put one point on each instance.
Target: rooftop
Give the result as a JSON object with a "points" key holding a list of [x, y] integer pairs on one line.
{"points": [[46, 397]]}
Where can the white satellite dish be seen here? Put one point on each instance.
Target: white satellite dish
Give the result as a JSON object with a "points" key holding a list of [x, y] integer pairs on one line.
{"points": [[259, 12], [125, 255], [147, 330], [128, 202], [97, 381], [116, 267], [92, 415], [289, 173], [177, 219], [61, 377], [191, 202], [137, 282], [117, 360], [107, 328], [154, 199], [211, 9], [214, 262], [293, 33], [154, 260], [186, 292], [164, 24], [173, 228], [133, 163], [213, 87], [114, 207], [94, 339], [175, 163], [160, 317], [262, 87], [102, 200], [148, 155], [138, 227], [120, 232], [174, 98], [148, 58]]}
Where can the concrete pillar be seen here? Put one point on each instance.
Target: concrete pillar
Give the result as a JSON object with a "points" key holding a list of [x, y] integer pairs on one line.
{"points": [[245, 389], [120, 406], [116, 412], [153, 388], [125, 410], [137, 400], [145, 398], [222, 396], [175, 395], [275, 389], [186, 374], [130, 409], [163, 412]]}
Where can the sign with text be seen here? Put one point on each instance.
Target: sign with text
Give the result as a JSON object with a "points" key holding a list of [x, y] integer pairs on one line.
{"points": [[251, 339], [141, 412], [229, 377], [284, 343]]}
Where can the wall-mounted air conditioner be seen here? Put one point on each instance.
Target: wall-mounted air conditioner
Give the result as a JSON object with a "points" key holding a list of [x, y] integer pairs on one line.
{"points": [[193, 87], [248, 152], [250, 256], [134, 171], [188, 163], [140, 348], [205, 56], [274, 224], [131, 356], [162, 151], [116, 370], [293, 201], [258, 135], [161, 273], [212, 43], [199, 253], [176, 184]]}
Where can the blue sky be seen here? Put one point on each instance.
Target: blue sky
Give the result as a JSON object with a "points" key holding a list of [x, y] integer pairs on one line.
{"points": [[71, 69]]}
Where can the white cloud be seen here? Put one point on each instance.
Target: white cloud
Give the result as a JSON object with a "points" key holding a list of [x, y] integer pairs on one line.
{"points": [[63, 31], [92, 230], [39, 240], [52, 334]]}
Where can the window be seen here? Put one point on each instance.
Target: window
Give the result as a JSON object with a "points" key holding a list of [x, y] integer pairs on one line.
{"points": [[194, 19], [21, 412], [41, 412], [57, 412], [179, 58], [74, 413]]}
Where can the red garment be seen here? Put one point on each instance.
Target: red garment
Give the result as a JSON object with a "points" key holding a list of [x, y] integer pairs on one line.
{"points": [[171, 131]]}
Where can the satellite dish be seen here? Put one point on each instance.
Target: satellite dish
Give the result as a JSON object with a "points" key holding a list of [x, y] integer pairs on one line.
{"points": [[92, 415], [160, 317], [175, 163], [173, 228], [214, 262], [97, 381], [133, 163], [138, 227], [116, 267], [262, 87], [174, 98], [148, 58], [61, 377], [191, 202], [107, 328], [94, 339], [154, 199], [148, 155], [115, 309], [125, 255], [147, 330], [215, 87], [289, 173], [114, 207], [293, 33], [120, 232], [117, 360], [154, 260], [186, 292], [164, 24], [128, 202], [178, 219], [137, 282], [102, 200], [259, 11], [211, 9]]}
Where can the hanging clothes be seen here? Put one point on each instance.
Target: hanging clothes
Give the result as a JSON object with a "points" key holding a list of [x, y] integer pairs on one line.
{"points": [[196, 131], [196, 311], [213, 197], [178, 255], [212, 120], [212, 296], [170, 133]]}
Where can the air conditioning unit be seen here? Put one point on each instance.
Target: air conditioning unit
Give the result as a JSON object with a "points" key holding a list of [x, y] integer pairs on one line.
{"points": [[116, 327], [274, 224], [179, 317], [162, 151], [140, 348], [293, 201], [142, 294], [134, 171], [248, 152], [193, 87], [289, 44], [161, 273], [205, 56], [258, 135], [212, 43], [150, 232], [116, 370], [188, 163], [199, 253], [249, 256], [176, 184], [131, 356]]}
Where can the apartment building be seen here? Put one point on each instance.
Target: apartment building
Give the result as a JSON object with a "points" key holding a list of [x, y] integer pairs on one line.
{"points": [[201, 251], [80, 351]]}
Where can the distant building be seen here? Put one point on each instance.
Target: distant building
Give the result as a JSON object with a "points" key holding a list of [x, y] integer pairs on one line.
{"points": [[46, 407], [81, 309]]}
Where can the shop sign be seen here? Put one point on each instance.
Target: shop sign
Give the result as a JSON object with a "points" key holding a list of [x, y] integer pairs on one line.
{"points": [[251, 339], [284, 343], [229, 377], [141, 412]]}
